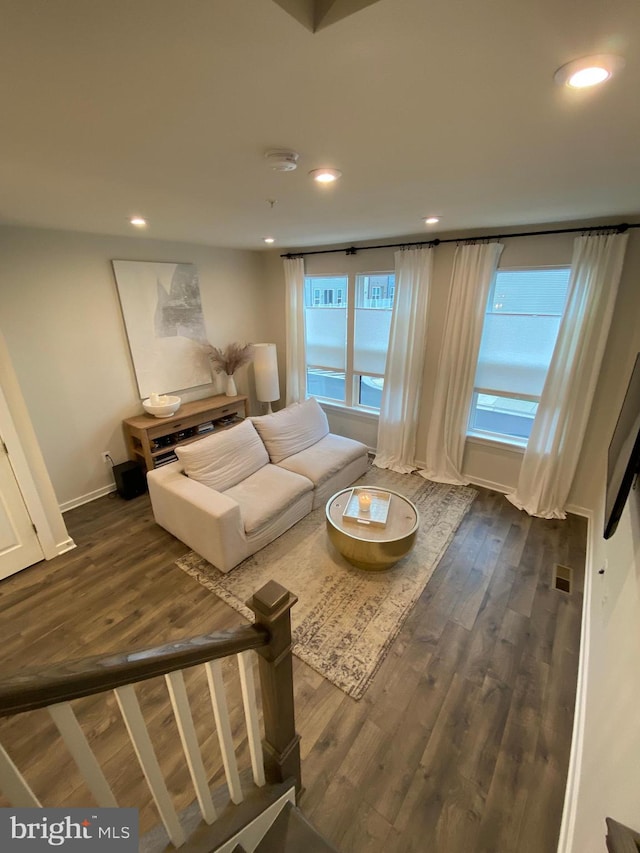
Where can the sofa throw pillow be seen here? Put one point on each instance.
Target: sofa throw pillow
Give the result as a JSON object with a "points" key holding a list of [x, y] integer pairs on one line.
{"points": [[224, 459], [292, 429]]}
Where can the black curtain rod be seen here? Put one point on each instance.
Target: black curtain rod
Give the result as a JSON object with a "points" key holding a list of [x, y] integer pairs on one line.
{"points": [[353, 250]]}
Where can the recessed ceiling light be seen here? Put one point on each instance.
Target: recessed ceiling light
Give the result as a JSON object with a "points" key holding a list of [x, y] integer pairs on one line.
{"points": [[588, 71], [432, 220], [269, 239], [325, 176], [138, 221]]}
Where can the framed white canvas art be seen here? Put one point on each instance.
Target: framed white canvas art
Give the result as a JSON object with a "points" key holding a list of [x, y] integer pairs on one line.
{"points": [[165, 326]]}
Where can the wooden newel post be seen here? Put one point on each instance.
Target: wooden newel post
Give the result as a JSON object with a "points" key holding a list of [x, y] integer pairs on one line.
{"points": [[272, 605]]}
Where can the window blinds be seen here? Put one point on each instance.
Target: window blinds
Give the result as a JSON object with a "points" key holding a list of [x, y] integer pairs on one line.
{"points": [[326, 337], [520, 330], [371, 340]]}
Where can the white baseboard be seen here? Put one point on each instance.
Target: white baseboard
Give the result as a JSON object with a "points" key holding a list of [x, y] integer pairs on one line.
{"points": [[575, 509], [66, 545], [489, 484], [475, 481], [85, 499]]}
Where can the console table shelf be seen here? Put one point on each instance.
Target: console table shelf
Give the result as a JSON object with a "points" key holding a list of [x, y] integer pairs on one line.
{"points": [[152, 441]]}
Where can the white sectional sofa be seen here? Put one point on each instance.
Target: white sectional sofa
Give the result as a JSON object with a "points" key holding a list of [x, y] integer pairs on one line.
{"points": [[232, 493]]}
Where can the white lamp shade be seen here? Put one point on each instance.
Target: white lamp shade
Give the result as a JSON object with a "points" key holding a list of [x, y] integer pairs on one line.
{"points": [[265, 366]]}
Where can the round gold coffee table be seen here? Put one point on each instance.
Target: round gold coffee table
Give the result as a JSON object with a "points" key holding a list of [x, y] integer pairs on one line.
{"points": [[362, 540]]}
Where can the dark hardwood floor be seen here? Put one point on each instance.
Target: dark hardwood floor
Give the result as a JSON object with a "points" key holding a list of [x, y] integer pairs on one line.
{"points": [[461, 744]]}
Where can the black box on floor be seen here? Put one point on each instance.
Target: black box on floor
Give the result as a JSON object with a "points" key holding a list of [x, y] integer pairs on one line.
{"points": [[130, 480]]}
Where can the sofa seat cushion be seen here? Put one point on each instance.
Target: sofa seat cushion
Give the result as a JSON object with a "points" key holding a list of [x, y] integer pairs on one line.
{"points": [[266, 493], [325, 458], [292, 429], [225, 458]]}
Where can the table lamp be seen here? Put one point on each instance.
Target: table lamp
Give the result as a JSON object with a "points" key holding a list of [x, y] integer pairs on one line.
{"points": [[265, 366]]}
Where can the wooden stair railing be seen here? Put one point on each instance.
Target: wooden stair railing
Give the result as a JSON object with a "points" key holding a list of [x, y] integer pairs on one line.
{"points": [[274, 760]]}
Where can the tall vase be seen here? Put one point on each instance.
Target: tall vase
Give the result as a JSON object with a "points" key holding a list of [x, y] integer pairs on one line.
{"points": [[231, 390]]}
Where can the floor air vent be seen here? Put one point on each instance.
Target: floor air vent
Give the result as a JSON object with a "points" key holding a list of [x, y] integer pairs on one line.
{"points": [[562, 578]]}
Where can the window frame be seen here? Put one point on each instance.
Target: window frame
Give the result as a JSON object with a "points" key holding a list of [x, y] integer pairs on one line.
{"points": [[352, 379]]}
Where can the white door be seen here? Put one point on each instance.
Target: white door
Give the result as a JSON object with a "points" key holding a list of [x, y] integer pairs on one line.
{"points": [[19, 545]]}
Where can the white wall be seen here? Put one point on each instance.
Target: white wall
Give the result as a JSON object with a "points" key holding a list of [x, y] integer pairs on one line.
{"points": [[486, 463], [606, 758], [609, 760], [604, 776], [61, 319]]}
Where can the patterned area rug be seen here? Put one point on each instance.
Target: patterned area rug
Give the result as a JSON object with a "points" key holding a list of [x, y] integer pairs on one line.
{"points": [[345, 619]]}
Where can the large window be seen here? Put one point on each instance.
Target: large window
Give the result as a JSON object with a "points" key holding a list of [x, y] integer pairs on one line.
{"points": [[520, 330], [347, 328]]}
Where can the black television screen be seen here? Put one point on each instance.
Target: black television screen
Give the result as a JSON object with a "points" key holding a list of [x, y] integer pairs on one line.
{"points": [[623, 461]]}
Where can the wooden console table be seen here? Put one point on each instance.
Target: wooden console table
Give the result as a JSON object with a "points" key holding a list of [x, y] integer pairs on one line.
{"points": [[152, 441]]}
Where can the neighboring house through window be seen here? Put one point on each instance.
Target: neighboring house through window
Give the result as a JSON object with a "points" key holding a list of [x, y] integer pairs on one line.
{"points": [[347, 321], [521, 325]]}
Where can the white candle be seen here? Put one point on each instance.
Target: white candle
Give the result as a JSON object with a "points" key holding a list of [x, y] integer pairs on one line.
{"points": [[154, 399], [364, 502]]}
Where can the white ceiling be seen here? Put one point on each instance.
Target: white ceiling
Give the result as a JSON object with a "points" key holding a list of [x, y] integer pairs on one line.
{"points": [[165, 108]]}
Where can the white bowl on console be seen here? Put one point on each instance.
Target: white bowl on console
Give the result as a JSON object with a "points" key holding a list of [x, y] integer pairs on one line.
{"points": [[166, 406]]}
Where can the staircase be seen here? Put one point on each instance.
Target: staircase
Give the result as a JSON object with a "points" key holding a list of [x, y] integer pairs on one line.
{"points": [[256, 809], [292, 831]]}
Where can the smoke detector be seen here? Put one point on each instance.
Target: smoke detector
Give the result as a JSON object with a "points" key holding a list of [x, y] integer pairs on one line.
{"points": [[282, 161]]}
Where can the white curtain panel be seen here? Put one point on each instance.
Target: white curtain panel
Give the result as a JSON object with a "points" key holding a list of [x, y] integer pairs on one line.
{"points": [[296, 349], [400, 403], [554, 446], [474, 268]]}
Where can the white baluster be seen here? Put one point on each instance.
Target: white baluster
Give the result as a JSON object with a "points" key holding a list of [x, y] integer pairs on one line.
{"points": [[134, 721], [223, 726], [13, 784], [247, 683], [190, 745], [77, 744]]}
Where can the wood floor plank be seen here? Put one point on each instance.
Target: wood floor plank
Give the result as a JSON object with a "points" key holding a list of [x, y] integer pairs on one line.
{"points": [[433, 687], [362, 757], [486, 626], [428, 791], [366, 833], [395, 684], [538, 831], [386, 787], [511, 642], [509, 791], [459, 819], [473, 593], [481, 744], [325, 704]]}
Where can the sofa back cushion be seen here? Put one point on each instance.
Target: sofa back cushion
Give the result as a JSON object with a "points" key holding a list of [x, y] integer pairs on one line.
{"points": [[292, 429], [222, 460]]}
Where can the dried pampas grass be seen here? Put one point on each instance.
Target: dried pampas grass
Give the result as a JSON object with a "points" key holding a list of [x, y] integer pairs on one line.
{"points": [[230, 358]]}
